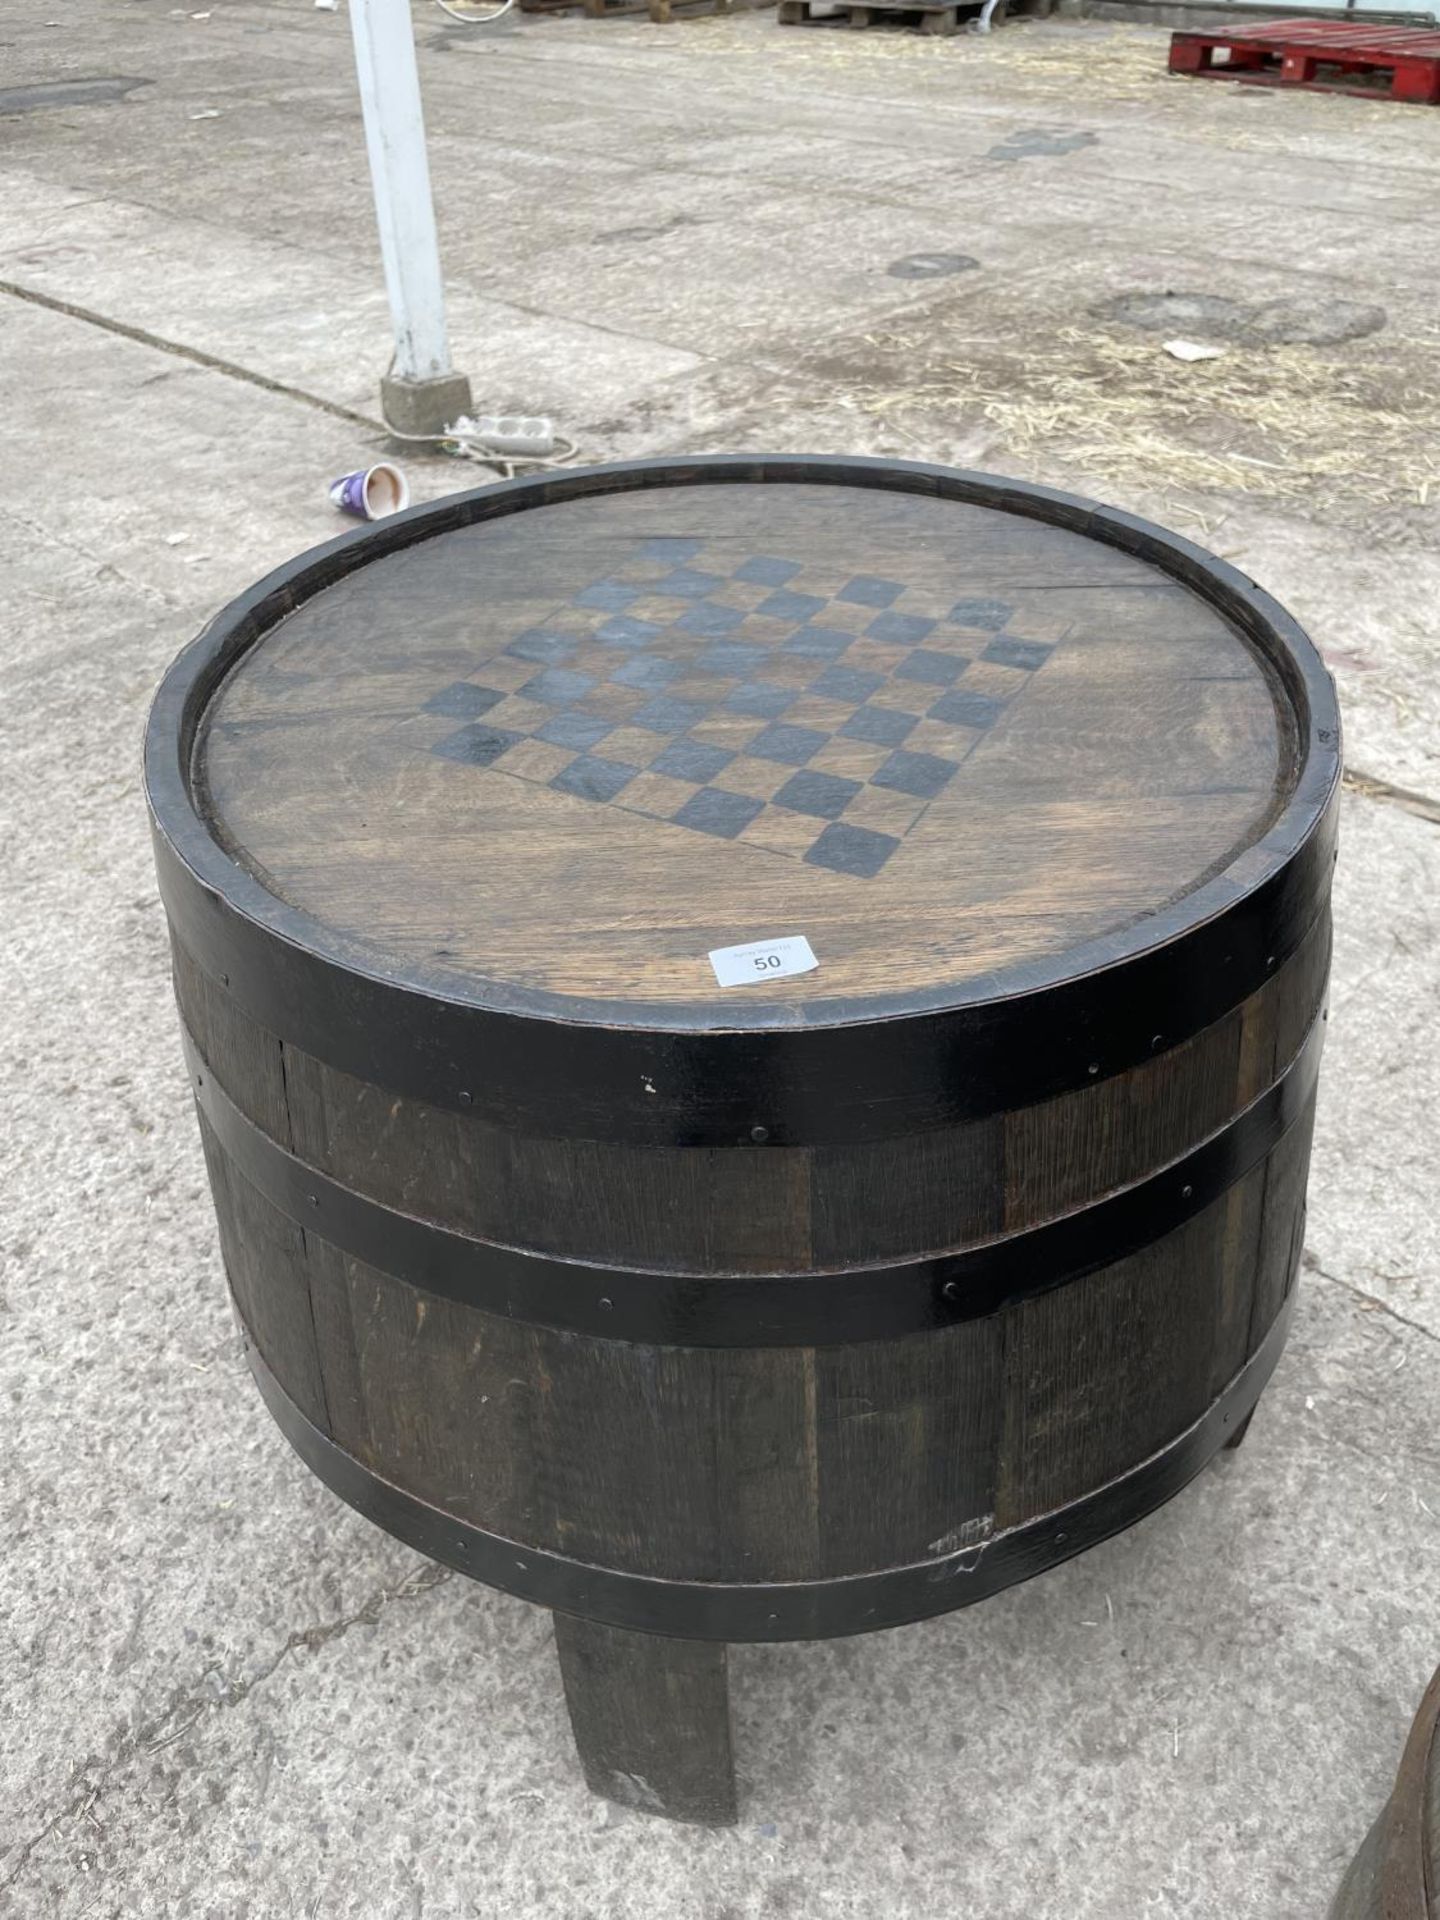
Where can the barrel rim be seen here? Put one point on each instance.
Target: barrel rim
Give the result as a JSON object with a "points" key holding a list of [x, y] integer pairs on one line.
{"points": [[200, 864]]}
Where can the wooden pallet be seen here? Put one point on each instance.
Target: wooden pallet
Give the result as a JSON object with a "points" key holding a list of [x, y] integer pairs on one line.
{"points": [[927, 16], [594, 9], [664, 11], [1325, 56]]}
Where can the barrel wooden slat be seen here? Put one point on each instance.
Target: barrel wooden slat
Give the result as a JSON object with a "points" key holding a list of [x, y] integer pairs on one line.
{"points": [[266, 1261], [750, 1210], [824, 1461], [1240, 1255], [889, 1199], [1302, 985], [607, 1451], [339, 1354], [1063, 1153], [845, 1298], [1105, 1372], [766, 1450], [1282, 1232], [246, 1060], [909, 1443]]}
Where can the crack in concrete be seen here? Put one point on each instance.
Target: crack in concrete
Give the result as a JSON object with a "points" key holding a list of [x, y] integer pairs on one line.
{"points": [[1312, 1265], [155, 597], [211, 361], [1353, 989], [1370, 786], [88, 1780]]}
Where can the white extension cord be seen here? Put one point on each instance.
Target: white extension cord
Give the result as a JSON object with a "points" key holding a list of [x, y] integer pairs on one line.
{"points": [[475, 19], [508, 443], [512, 435], [465, 18]]}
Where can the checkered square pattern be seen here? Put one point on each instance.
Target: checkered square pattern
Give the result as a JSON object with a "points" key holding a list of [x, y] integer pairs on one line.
{"points": [[754, 700]]}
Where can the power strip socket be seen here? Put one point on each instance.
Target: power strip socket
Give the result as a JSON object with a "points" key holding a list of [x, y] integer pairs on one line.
{"points": [[525, 436]]}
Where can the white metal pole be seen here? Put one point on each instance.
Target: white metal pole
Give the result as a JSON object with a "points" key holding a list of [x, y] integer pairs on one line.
{"points": [[400, 171]]}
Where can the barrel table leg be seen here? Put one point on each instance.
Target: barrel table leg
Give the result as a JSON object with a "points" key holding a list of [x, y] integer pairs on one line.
{"points": [[651, 1719], [1237, 1438]]}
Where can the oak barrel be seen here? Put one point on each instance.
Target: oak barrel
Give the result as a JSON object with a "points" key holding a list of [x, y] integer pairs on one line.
{"points": [[831, 1299]]}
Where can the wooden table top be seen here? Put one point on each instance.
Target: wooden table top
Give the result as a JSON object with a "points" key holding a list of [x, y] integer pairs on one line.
{"points": [[577, 748]]}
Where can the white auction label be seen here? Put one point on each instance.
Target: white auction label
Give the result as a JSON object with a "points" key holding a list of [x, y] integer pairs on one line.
{"points": [[763, 960]]}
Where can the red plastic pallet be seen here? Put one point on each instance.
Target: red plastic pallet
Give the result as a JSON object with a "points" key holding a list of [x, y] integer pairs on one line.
{"points": [[1328, 56]]}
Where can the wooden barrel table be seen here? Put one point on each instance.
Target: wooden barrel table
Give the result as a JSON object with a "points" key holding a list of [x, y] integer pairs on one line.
{"points": [[755, 1028]]}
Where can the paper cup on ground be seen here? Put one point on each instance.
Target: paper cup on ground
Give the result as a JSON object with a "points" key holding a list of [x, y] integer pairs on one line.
{"points": [[371, 492]]}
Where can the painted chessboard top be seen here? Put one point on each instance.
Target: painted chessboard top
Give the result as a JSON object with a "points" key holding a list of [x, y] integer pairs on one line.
{"points": [[577, 747]]}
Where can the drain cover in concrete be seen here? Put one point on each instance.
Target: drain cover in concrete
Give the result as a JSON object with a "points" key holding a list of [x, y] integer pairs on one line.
{"points": [[99, 91], [655, 230], [1303, 319], [930, 266], [1310, 320], [1039, 143]]}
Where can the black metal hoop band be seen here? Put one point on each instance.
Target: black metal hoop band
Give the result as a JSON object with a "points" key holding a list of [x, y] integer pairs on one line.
{"points": [[800, 1610], [711, 1074], [767, 1310]]}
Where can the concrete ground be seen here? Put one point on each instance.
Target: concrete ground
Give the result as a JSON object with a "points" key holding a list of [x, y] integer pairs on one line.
{"points": [[224, 1695]]}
